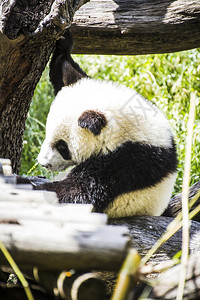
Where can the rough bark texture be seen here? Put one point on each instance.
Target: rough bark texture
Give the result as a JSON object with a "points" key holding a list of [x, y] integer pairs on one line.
{"points": [[28, 32], [136, 27], [22, 71], [146, 230], [175, 204]]}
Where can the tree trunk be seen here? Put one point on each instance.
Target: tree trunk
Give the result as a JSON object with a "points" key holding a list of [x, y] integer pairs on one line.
{"points": [[20, 72], [136, 27], [28, 32]]}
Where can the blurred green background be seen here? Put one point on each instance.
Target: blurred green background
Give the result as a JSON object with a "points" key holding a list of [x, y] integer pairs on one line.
{"points": [[165, 79]]}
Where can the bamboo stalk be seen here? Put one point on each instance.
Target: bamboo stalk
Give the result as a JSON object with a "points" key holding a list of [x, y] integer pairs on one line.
{"points": [[128, 269], [185, 193], [17, 271]]}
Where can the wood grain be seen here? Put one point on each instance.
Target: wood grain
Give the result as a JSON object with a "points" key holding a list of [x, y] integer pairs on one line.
{"points": [[136, 27]]}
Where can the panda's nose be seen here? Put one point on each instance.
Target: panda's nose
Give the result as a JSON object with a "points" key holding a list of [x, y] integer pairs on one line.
{"points": [[47, 166]]}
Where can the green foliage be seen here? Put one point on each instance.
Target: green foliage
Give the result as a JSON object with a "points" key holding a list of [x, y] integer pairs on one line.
{"points": [[165, 79], [35, 127]]}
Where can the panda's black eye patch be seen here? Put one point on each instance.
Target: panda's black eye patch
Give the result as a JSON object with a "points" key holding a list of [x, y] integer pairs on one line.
{"points": [[63, 149]]}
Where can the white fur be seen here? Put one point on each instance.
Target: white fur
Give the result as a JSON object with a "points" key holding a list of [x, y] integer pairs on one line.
{"points": [[130, 118], [150, 201]]}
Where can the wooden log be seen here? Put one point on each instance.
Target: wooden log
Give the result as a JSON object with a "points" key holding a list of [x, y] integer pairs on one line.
{"points": [[136, 27], [146, 230], [74, 246], [175, 204]]}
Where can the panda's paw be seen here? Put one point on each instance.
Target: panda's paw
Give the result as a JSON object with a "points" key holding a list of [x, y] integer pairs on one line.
{"points": [[35, 181]]}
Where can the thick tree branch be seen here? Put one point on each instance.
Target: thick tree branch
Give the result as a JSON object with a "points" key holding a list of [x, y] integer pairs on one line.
{"points": [[136, 27]]}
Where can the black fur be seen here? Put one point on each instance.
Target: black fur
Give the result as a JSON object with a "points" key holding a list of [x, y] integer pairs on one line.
{"points": [[100, 179], [92, 120], [63, 69]]}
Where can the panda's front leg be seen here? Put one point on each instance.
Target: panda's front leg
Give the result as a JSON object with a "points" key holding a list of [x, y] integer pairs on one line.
{"points": [[79, 189]]}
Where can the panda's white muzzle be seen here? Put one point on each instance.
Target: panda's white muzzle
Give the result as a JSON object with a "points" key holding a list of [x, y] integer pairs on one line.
{"points": [[51, 159]]}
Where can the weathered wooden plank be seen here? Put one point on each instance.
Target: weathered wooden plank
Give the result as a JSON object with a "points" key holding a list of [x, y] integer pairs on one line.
{"points": [[47, 213], [136, 27], [91, 245], [76, 246], [10, 193]]}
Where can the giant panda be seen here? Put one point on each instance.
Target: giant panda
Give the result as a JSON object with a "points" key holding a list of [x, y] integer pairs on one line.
{"points": [[120, 145]]}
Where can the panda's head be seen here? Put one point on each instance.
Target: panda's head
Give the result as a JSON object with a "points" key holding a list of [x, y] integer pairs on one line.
{"points": [[92, 118], [73, 134], [72, 140]]}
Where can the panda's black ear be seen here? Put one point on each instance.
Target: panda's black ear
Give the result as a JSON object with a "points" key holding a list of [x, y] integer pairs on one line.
{"points": [[92, 120], [64, 70]]}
